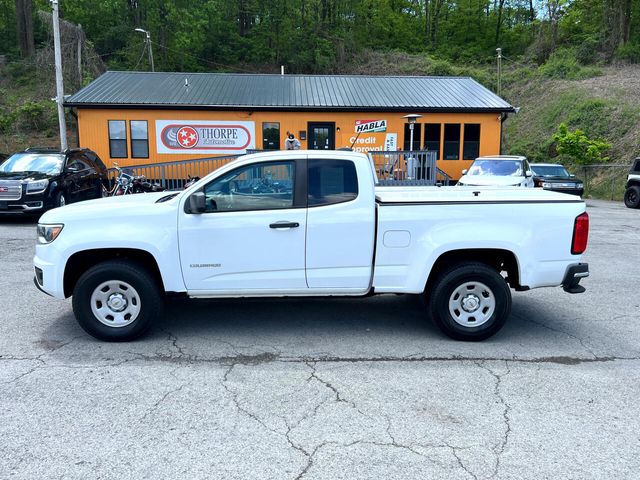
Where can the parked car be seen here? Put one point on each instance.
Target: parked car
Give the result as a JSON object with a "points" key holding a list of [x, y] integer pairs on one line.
{"points": [[552, 176], [499, 171], [632, 192], [298, 223], [38, 179]]}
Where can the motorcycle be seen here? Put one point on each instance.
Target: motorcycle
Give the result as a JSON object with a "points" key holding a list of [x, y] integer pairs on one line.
{"points": [[126, 183]]}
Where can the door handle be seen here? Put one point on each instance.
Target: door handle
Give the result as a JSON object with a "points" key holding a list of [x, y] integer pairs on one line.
{"points": [[284, 225]]}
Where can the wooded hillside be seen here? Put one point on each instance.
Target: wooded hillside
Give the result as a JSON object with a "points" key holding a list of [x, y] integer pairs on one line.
{"points": [[318, 36]]}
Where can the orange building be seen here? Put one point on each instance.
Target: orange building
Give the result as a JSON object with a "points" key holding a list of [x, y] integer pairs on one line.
{"points": [[139, 118]]}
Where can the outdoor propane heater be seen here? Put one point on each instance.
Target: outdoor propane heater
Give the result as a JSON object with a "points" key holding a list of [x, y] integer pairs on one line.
{"points": [[411, 161]]}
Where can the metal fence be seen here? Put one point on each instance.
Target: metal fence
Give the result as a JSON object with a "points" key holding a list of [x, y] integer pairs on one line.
{"points": [[406, 167], [602, 181], [393, 167], [173, 175]]}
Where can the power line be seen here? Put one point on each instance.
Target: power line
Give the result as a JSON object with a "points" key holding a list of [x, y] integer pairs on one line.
{"points": [[202, 59], [144, 49]]}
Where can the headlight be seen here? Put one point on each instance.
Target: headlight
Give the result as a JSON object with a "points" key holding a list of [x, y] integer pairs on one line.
{"points": [[460, 184], [579, 185], [546, 185], [38, 186], [48, 233]]}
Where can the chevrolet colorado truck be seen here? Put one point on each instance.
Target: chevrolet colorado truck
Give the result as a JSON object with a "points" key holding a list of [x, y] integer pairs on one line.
{"points": [[310, 223]]}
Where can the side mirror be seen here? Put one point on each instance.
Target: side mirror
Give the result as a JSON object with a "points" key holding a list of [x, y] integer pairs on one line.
{"points": [[197, 203], [572, 176], [464, 172], [528, 173]]}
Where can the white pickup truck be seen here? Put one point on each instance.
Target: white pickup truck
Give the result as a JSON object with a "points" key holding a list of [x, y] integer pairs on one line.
{"points": [[310, 223]]}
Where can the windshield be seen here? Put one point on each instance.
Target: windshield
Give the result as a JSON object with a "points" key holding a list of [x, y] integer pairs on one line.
{"points": [[50, 163], [550, 170], [503, 168]]}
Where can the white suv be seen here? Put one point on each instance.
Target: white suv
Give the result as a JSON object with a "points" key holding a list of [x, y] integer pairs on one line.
{"points": [[499, 171], [632, 193]]}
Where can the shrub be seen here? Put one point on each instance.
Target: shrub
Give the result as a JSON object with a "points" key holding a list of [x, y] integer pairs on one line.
{"points": [[629, 53], [563, 64]]}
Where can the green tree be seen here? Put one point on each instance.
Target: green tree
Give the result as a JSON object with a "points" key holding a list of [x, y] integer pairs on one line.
{"points": [[580, 148]]}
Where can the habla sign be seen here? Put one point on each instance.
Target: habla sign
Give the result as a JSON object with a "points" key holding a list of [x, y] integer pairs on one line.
{"points": [[204, 136], [370, 126]]}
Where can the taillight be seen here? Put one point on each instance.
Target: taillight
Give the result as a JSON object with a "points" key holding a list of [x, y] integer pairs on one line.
{"points": [[580, 234]]}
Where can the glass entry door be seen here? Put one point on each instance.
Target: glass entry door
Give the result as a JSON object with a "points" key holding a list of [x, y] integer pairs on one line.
{"points": [[322, 136]]}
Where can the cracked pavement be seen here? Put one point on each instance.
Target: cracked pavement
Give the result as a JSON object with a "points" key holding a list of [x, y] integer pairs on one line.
{"points": [[328, 389]]}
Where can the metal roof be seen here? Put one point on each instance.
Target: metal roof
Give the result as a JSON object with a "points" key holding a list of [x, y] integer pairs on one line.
{"points": [[287, 92]]}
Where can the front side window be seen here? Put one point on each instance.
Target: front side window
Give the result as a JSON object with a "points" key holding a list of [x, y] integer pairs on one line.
{"points": [[118, 139], [331, 181], [452, 141], [139, 139], [261, 186], [271, 136], [471, 147]]}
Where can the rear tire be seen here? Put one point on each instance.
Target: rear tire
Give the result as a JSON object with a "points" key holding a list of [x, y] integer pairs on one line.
{"points": [[632, 196], [470, 302], [116, 301]]}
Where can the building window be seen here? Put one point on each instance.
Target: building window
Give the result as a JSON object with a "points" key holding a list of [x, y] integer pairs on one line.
{"points": [[451, 141], [118, 139], [139, 139], [471, 146], [271, 136], [432, 138], [417, 130]]}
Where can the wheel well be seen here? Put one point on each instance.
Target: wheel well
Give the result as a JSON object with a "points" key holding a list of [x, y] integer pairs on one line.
{"points": [[633, 183], [80, 262], [498, 259]]}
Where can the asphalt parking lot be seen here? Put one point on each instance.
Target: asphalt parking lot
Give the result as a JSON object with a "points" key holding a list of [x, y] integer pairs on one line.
{"points": [[328, 389]]}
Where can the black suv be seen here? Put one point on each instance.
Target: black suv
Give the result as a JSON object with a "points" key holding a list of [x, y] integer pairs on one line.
{"points": [[38, 179], [553, 176]]}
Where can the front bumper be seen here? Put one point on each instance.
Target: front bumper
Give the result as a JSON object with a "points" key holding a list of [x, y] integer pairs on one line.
{"points": [[575, 273], [49, 271], [21, 206], [569, 190]]}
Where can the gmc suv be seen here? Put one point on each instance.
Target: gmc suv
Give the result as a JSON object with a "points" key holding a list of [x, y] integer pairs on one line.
{"points": [[39, 179]]}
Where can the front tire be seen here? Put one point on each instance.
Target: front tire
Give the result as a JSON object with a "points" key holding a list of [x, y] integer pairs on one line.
{"points": [[116, 301], [60, 200], [632, 196], [470, 302]]}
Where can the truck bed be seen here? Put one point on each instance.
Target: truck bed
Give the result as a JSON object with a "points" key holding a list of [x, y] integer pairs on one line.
{"points": [[435, 195]]}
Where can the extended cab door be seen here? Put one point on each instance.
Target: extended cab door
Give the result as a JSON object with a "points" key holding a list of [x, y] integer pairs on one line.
{"points": [[340, 225], [251, 238]]}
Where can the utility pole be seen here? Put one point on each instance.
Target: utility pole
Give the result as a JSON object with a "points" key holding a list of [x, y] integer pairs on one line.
{"points": [[499, 50], [79, 55], [150, 52], [59, 81]]}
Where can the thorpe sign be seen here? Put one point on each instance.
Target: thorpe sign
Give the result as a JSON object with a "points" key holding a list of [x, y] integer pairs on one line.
{"points": [[204, 136]]}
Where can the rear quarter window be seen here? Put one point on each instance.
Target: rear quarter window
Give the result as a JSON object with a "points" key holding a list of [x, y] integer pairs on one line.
{"points": [[331, 182]]}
